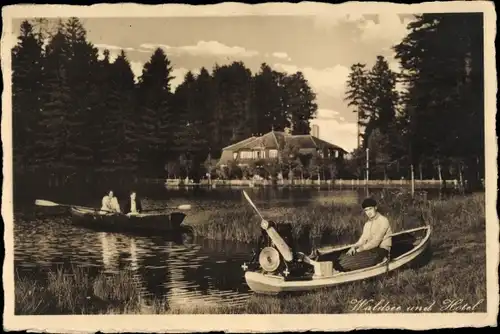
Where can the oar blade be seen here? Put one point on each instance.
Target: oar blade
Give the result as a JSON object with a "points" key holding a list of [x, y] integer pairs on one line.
{"points": [[184, 207], [42, 202]]}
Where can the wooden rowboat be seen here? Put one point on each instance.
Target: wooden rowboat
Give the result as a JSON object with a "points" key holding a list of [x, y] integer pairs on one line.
{"points": [[305, 275], [152, 223]]}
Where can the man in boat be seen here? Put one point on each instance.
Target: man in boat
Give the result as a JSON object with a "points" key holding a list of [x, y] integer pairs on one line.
{"points": [[133, 205], [374, 245], [110, 204]]}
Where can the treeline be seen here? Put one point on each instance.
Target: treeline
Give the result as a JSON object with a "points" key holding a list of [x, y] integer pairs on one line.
{"points": [[435, 126], [76, 113]]}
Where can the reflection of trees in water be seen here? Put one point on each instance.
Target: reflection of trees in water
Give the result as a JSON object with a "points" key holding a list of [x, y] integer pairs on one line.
{"points": [[183, 273], [221, 264], [144, 258]]}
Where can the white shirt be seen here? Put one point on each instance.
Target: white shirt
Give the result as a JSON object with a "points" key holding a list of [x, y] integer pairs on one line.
{"points": [[133, 207], [376, 234], [110, 204]]}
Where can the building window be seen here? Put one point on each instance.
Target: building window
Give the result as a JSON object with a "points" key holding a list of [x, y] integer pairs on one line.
{"points": [[235, 155], [245, 155], [273, 153], [336, 154], [258, 154]]}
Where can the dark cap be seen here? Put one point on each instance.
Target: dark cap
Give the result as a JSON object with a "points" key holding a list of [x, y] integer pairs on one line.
{"points": [[368, 202]]}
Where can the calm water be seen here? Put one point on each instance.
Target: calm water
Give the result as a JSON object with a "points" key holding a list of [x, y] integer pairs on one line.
{"points": [[180, 268]]}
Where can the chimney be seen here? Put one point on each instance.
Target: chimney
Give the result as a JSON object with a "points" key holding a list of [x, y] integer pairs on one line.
{"points": [[315, 130]]}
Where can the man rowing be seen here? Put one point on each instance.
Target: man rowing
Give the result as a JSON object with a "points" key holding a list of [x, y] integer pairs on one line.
{"points": [[110, 204], [374, 244]]}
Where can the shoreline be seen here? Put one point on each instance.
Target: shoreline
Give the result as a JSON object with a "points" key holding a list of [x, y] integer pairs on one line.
{"points": [[308, 183]]}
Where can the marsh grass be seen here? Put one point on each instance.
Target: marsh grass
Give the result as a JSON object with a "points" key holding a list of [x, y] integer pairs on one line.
{"points": [[74, 291], [345, 222], [454, 269]]}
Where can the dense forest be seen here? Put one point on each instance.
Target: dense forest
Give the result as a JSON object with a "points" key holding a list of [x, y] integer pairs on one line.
{"points": [[75, 112], [435, 126]]}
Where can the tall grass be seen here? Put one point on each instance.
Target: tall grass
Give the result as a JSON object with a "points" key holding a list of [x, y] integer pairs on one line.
{"points": [[453, 215], [73, 291]]}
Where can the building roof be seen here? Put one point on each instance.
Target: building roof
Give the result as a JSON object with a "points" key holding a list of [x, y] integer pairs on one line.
{"points": [[278, 140], [239, 144]]}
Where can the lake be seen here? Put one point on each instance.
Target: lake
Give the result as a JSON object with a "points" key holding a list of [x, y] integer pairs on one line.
{"points": [[180, 268]]}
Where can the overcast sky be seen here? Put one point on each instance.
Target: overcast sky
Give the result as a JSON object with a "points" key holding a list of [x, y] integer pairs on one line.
{"points": [[322, 47]]}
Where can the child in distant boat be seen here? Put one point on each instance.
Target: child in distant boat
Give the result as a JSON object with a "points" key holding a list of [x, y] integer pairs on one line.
{"points": [[110, 204], [133, 205]]}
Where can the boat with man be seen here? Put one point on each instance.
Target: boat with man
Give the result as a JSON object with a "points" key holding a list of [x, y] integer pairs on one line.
{"points": [[278, 267]]}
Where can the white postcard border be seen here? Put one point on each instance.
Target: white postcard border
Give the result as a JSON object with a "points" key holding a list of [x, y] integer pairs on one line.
{"points": [[253, 323]]}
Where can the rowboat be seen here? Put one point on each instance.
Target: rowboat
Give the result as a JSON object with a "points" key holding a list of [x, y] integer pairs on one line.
{"points": [[141, 223], [271, 274]]}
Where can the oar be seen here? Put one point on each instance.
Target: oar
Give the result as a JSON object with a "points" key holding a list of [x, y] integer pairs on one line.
{"points": [[180, 207], [273, 234], [43, 202], [183, 207]]}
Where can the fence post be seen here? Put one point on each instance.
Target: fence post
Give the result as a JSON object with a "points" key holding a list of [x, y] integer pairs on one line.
{"points": [[412, 182]]}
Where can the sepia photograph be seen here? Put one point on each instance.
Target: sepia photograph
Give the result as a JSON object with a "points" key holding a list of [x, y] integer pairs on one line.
{"points": [[303, 166]]}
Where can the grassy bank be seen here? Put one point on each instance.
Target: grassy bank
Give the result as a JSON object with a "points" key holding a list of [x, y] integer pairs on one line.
{"points": [[456, 270]]}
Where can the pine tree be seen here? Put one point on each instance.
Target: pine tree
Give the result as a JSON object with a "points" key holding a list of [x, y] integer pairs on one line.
{"points": [[301, 102], [267, 102], [204, 100], [441, 59], [356, 95], [122, 92], [154, 116], [27, 80], [53, 128], [83, 80]]}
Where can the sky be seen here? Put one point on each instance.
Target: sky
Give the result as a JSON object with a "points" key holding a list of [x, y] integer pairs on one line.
{"points": [[322, 47]]}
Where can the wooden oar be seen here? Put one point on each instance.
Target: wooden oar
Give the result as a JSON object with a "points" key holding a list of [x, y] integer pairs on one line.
{"points": [[283, 248], [183, 207], [179, 207], [43, 202]]}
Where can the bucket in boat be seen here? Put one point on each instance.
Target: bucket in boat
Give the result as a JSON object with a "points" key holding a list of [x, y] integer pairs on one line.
{"points": [[324, 268]]}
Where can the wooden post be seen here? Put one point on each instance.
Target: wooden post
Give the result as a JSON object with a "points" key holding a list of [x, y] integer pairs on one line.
{"points": [[439, 172], [367, 165], [412, 182]]}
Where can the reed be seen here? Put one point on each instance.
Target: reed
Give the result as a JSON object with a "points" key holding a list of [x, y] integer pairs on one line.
{"points": [[344, 221], [76, 291]]}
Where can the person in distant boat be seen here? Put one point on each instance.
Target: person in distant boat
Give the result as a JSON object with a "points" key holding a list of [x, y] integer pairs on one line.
{"points": [[374, 244], [133, 206], [110, 204]]}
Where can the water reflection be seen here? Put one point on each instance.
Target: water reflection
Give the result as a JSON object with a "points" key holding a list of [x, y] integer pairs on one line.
{"points": [[183, 273]]}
